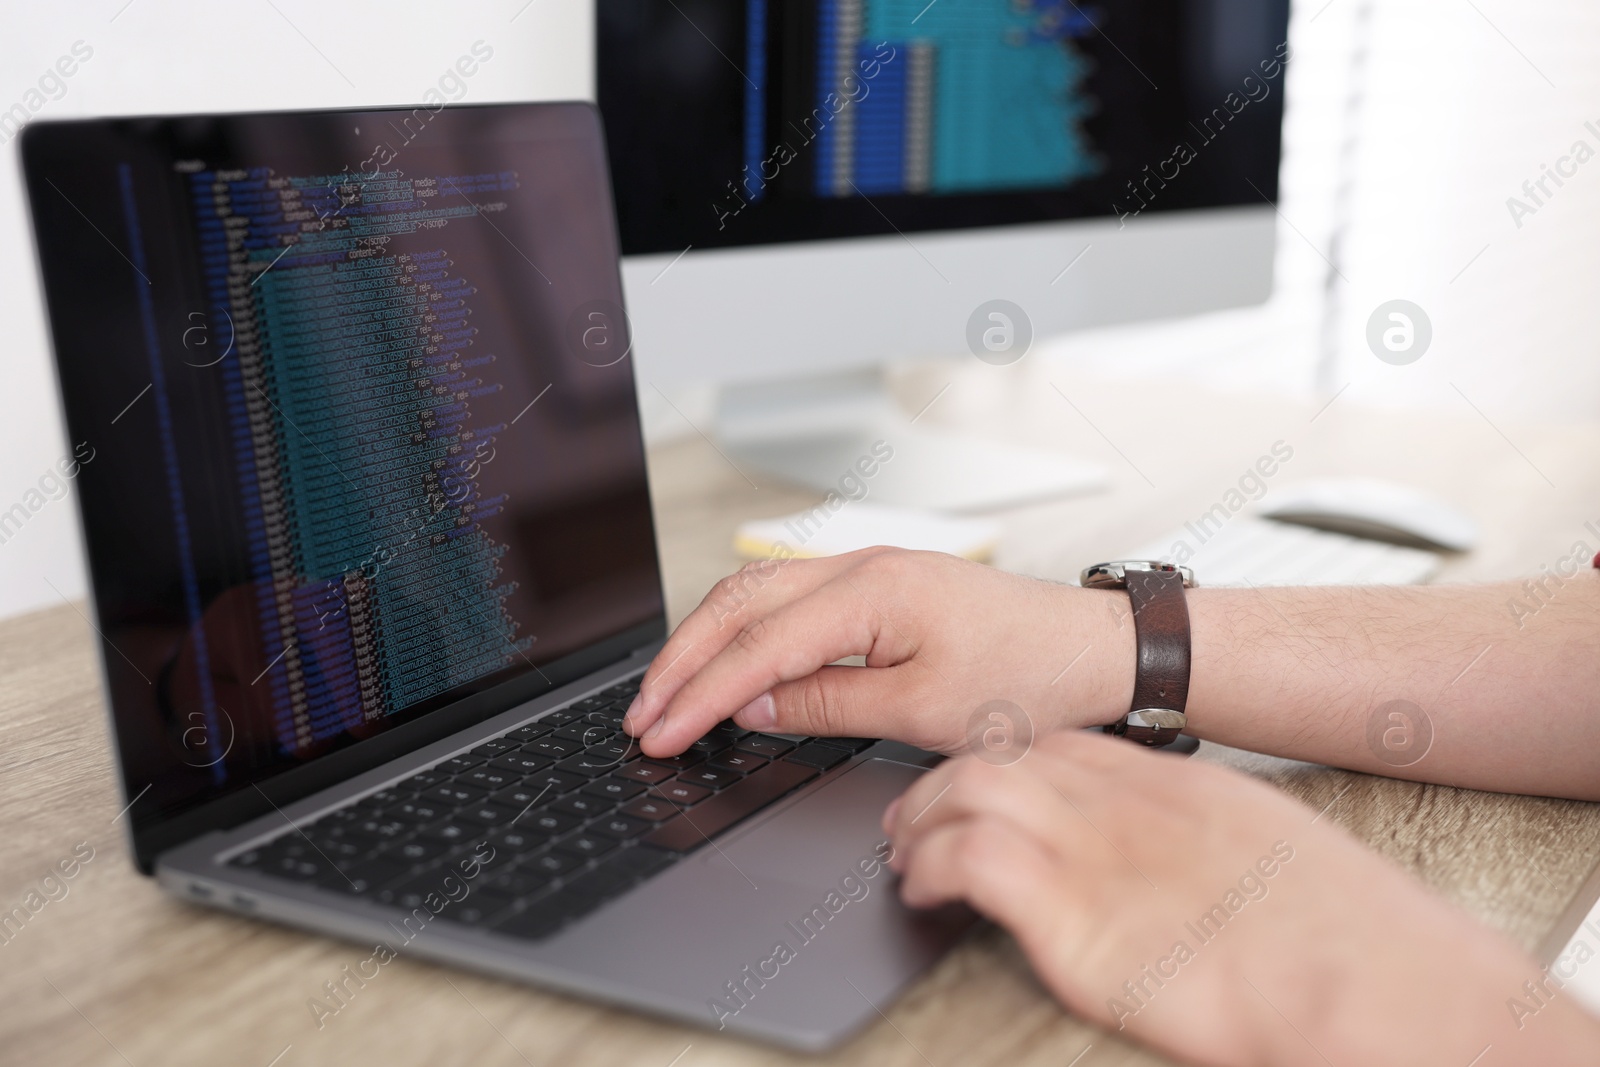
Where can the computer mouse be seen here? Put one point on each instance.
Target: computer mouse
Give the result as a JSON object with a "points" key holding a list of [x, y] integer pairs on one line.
{"points": [[1377, 510]]}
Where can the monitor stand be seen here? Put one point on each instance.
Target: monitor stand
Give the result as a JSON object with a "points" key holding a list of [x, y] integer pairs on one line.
{"points": [[818, 432]]}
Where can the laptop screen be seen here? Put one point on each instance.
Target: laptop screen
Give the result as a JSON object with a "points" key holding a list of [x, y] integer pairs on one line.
{"points": [[351, 423]]}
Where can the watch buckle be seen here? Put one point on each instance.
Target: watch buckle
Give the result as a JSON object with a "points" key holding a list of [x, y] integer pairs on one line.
{"points": [[1157, 719]]}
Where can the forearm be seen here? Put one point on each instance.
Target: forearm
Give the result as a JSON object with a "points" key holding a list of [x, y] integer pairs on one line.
{"points": [[1512, 700]]}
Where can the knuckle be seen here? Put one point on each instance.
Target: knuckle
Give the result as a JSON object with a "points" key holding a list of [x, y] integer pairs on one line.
{"points": [[890, 563], [971, 778], [752, 636], [822, 706], [979, 846]]}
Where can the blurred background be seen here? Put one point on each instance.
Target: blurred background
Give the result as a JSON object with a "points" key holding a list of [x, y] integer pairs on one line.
{"points": [[1409, 128]]}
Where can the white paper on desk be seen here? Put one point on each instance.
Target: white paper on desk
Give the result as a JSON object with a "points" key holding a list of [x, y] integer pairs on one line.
{"points": [[1253, 551], [1585, 984], [858, 524]]}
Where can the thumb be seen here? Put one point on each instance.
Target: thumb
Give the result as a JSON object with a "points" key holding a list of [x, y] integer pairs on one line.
{"points": [[840, 701]]}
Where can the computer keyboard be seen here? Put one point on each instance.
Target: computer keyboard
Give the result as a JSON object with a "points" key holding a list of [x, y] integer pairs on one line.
{"points": [[1251, 551], [571, 812]]}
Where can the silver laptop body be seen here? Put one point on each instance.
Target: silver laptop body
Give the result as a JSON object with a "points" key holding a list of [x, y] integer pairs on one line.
{"points": [[373, 567]]}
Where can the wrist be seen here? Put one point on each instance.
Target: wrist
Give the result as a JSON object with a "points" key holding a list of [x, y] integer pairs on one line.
{"points": [[1094, 684]]}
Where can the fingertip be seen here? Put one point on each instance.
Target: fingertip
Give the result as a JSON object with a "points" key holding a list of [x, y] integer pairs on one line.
{"points": [[760, 714], [633, 718], [889, 813]]}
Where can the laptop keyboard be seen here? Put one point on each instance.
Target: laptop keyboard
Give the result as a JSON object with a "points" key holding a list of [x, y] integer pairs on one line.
{"points": [[571, 812]]}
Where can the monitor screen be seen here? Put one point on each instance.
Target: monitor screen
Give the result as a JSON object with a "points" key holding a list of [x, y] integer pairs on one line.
{"points": [[736, 122], [351, 423]]}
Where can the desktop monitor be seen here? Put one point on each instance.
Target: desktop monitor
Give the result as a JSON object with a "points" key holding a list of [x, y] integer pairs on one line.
{"points": [[808, 189]]}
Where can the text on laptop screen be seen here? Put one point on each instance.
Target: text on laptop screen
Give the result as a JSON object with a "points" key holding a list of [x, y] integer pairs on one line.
{"points": [[362, 428]]}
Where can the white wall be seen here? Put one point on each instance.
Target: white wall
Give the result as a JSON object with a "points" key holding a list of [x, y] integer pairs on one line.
{"points": [[1463, 106], [155, 56]]}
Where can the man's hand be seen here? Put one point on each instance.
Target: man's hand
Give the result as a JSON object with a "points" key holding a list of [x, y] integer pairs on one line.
{"points": [[941, 636], [1211, 916]]}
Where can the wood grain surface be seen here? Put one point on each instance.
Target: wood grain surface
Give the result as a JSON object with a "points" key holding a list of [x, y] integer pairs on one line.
{"points": [[116, 972]]}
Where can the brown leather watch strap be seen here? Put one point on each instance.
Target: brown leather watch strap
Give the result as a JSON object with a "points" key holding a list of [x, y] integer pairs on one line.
{"points": [[1161, 628]]}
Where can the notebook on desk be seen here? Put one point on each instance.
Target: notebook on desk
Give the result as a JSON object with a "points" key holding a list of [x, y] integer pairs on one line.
{"points": [[1260, 551]]}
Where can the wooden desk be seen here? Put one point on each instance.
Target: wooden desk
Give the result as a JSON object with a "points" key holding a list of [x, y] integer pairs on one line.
{"points": [[117, 972]]}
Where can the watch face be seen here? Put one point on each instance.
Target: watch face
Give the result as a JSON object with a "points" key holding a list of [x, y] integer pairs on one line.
{"points": [[1114, 575]]}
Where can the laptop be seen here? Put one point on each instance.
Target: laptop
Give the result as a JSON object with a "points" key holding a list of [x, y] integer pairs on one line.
{"points": [[359, 467]]}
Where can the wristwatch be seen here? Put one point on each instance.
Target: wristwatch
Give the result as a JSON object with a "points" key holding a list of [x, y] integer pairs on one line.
{"points": [[1161, 629]]}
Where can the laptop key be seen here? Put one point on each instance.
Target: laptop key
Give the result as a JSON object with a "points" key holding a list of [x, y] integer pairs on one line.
{"points": [[521, 763], [519, 882], [451, 831], [520, 796], [544, 916], [764, 745], [366, 877], [529, 732], [455, 794], [490, 749], [295, 868], [586, 844], [490, 778], [413, 892], [681, 762], [334, 876], [561, 717], [851, 744], [457, 765], [623, 748], [651, 809], [643, 860], [618, 871], [738, 762], [817, 755], [417, 851], [551, 823], [419, 782], [584, 805], [602, 882], [384, 829], [479, 905], [682, 794], [419, 811], [519, 842], [558, 781], [553, 747], [711, 744], [620, 827], [487, 814], [615, 787], [646, 772], [585, 733], [554, 864], [743, 798], [340, 848], [710, 777], [589, 764]]}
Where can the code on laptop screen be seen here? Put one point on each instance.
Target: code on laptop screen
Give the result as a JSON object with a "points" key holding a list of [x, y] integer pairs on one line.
{"points": [[363, 423]]}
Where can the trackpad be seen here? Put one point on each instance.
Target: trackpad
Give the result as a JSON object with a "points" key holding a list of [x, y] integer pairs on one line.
{"points": [[833, 828]]}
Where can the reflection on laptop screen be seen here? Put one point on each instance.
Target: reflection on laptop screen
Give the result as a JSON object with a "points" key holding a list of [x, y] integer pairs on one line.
{"points": [[364, 434]]}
